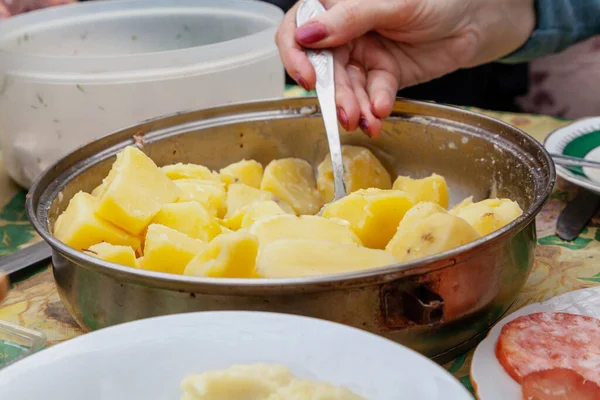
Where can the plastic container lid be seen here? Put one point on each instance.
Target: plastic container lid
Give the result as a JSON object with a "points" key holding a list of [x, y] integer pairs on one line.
{"points": [[155, 36]]}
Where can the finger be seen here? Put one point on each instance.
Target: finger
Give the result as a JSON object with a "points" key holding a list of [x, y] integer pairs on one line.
{"points": [[4, 13], [344, 21], [369, 124], [381, 88], [345, 99], [292, 55]]}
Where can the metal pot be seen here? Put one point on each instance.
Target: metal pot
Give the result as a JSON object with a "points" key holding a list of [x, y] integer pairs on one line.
{"points": [[438, 306]]}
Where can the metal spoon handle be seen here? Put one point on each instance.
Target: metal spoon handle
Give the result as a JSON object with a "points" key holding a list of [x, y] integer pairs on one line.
{"points": [[322, 62], [569, 161]]}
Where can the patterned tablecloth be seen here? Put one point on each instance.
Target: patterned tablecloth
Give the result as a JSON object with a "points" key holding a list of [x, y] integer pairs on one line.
{"points": [[559, 266]]}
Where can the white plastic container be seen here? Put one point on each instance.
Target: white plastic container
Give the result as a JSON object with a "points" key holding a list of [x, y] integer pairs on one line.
{"points": [[71, 74]]}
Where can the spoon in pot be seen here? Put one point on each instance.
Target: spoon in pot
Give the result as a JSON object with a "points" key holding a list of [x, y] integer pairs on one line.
{"points": [[322, 61]]}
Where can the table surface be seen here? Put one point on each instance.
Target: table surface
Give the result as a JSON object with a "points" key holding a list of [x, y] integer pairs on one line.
{"points": [[559, 267]]}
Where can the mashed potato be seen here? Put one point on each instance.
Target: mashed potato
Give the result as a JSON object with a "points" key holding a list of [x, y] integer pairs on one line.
{"points": [[259, 382]]}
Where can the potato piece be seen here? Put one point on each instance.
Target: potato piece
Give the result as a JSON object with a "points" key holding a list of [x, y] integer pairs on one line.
{"points": [[167, 250], [191, 218], [490, 215], [362, 171], [248, 172], [418, 213], [98, 190], [259, 210], [278, 227], [79, 226], [211, 194], [123, 255], [373, 214], [293, 181], [287, 258], [434, 234], [139, 261], [239, 198], [463, 204], [189, 171], [310, 390], [228, 256], [432, 188], [238, 382], [134, 191]]}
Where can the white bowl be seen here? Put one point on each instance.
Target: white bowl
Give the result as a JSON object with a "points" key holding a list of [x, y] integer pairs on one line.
{"points": [[71, 74], [147, 359]]}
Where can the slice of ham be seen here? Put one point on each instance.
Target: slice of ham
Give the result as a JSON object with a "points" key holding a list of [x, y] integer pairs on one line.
{"points": [[543, 341], [558, 384]]}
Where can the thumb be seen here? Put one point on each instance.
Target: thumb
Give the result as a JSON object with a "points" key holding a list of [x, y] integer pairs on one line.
{"points": [[344, 21]]}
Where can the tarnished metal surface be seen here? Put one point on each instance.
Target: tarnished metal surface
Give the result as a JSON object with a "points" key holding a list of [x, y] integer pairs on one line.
{"points": [[432, 305]]}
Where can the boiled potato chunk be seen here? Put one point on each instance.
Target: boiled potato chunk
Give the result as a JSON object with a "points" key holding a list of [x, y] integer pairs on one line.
{"points": [[292, 180], [309, 390], [373, 214], [134, 191], [189, 171], [191, 218], [434, 234], [418, 213], [432, 188], [123, 255], [463, 204], [279, 227], [232, 255], [238, 382], [211, 194], [98, 190], [362, 171], [288, 258], [490, 215], [240, 197], [248, 172], [260, 210], [79, 226], [167, 250]]}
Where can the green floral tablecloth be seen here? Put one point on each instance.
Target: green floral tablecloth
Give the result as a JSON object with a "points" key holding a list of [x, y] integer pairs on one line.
{"points": [[559, 267]]}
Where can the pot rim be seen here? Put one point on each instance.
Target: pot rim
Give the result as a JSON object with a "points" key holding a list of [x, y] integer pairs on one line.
{"points": [[285, 285]]}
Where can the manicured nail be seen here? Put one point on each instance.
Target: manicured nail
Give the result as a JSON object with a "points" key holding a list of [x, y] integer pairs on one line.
{"points": [[311, 32], [364, 125], [342, 117], [302, 83]]}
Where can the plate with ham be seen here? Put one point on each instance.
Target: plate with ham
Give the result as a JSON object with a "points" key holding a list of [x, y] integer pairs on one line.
{"points": [[544, 351]]}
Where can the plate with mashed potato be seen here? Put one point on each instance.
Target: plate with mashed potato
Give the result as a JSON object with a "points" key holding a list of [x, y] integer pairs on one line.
{"points": [[229, 355]]}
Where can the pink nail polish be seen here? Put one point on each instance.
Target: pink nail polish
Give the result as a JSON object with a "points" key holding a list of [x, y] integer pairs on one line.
{"points": [[302, 83], [364, 125], [311, 32], [342, 117]]}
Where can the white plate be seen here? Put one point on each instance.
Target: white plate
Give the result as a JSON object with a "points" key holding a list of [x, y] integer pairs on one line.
{"points": [[578, 139], [147, 359], [489, 379]]}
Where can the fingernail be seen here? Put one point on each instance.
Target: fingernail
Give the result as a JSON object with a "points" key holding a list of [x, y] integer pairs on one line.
{"points": [[302, 83], [364, 125], [342, 117], [311, 32]]}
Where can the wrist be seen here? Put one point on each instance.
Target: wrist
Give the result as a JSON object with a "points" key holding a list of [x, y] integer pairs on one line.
{"points": [[503, 26]]}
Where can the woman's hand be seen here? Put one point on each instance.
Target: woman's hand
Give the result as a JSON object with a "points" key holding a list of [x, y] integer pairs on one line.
{"points": [[9, 8], [381, 46]]}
